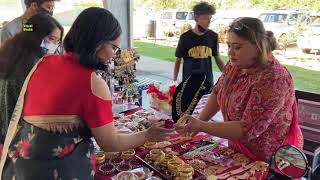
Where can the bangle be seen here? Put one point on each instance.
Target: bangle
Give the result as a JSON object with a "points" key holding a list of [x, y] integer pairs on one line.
{"points": [[126, 175], [211, 170], [116, 161], [100, 157], [212, 177], [106, 169], [240, 158], [111, 155], [197, 164], [135, 163], [226, 151], [156, 154], [123, 167], [185, 168], [128, 154], [185, 175], [150, 145]]}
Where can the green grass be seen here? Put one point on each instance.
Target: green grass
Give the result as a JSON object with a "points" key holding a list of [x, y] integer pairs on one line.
{"points": [[304, 79]]}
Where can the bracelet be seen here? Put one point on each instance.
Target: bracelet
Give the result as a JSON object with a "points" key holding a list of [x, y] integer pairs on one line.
{"points": [[116, 161], [212, 177], [149, 145], [185, 175], [106, 169], [126, 175], [123, 167], [240, 158], [100, 157], [226, 151], [156, 154], [197, 164], [135, 163], [128, 154], [185, 168], [211, 170], [111, 155]]}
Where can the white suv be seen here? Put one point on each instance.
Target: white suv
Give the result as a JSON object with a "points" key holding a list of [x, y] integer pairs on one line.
{"points": [[172, 20], [284, 25]]}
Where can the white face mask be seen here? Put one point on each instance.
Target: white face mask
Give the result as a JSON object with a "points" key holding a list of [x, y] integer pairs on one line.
{"points": [[48, 47]]}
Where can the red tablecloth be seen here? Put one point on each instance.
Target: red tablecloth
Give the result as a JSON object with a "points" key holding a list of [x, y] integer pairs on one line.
{"points": [[199, 137]]}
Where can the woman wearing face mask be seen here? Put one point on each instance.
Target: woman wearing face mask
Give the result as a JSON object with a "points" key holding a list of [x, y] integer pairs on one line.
{"points": [[255, 94], [64, 103], [17, 57]]}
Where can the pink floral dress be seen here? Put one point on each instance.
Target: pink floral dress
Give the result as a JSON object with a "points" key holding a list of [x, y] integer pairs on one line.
{"points": [[263, 100]]}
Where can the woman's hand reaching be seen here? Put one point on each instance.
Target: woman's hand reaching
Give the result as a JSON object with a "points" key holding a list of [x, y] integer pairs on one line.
{"points": [[191, 127], [158, 133]]}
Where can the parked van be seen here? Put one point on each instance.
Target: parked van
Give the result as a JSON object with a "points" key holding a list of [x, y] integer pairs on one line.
{"points": [[170, 21], [284, 24]]}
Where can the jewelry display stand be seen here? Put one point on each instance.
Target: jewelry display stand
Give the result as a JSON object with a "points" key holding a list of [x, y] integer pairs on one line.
{"points": [[120, 77]]}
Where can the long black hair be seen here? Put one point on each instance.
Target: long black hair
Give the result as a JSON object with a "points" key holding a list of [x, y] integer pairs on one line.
{"points": [[93, 27], [19, 53]]}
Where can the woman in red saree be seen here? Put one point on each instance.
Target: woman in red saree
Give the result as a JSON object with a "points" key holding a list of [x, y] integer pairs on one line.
{"points": [[64, 103], [255, 94]]}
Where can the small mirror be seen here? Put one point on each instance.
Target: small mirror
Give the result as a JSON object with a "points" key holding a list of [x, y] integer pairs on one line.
{"points": [[291, 162]]}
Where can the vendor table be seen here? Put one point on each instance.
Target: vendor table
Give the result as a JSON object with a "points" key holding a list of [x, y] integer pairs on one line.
{"points": [[249, 170]]}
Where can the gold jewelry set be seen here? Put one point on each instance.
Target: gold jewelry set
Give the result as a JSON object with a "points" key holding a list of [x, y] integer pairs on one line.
{"points": [[191, 105]]}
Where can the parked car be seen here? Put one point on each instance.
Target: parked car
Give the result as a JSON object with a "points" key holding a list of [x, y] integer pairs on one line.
{"points": [[284, 24], [310, 38], [222, 20], [171, 21]]}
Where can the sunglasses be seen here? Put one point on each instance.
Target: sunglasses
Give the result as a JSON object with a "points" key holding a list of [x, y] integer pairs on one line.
{"points": [[115, 47], [238, 26]]}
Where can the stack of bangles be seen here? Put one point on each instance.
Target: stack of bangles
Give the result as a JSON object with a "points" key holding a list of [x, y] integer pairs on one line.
{"points": [[185, 172], [156, 154], [126, 155], [173, 165], [164, 161]]}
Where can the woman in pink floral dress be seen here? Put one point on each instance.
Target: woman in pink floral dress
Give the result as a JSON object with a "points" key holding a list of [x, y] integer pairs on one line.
{"points": [[255, 94]]}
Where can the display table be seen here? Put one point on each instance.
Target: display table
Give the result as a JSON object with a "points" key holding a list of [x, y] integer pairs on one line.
{"points": [[231, 168], [212, 151]]}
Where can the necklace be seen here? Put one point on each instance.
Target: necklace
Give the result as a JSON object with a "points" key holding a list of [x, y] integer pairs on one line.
{"points": [[193, 102]]}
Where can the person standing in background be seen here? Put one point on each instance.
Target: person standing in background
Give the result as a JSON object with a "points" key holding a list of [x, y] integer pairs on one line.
{"points": [[15, 26], [41, 35], [198, 45]]}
